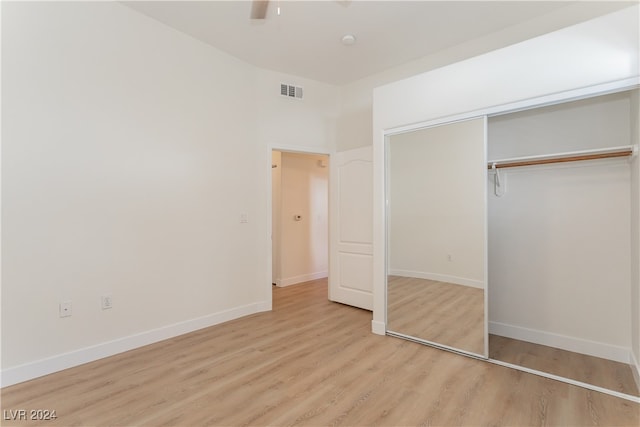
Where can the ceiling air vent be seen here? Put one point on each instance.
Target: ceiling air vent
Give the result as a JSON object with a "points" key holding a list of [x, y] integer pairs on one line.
{"points": [[290, 91]]}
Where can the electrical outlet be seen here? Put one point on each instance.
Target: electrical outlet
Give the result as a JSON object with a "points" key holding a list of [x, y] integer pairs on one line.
{"points": [[106, 302], [65, 308]]}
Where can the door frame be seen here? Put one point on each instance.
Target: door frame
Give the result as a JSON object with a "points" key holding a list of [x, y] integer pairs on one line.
{"points": [[269, 191]]}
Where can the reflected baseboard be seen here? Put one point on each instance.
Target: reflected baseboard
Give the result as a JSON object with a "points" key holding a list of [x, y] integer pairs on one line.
{"points": [[438, 277]]}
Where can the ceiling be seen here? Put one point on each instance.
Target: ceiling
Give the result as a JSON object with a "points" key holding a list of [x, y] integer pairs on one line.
{"points": [[305, 39]]}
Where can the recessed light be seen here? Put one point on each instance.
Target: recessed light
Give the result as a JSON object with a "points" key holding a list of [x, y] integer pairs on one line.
{"points": [[348, 39]]}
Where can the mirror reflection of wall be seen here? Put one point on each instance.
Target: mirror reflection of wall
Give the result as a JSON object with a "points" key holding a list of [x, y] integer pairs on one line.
{"points": [[436, 244]]}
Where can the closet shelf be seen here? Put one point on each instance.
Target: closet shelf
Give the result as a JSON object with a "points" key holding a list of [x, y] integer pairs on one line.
{"points": [[574, 156]]}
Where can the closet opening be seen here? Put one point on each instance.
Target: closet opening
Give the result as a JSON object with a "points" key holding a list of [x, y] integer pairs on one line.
{"points": [[563, 236]]}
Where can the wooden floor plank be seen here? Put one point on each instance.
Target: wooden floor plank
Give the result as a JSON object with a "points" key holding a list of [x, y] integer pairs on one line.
{"points": [[309, 362]]}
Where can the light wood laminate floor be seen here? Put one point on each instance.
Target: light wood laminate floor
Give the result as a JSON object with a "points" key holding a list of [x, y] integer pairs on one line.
{"points": [[592, 370], [440, 312], [309, 362]]}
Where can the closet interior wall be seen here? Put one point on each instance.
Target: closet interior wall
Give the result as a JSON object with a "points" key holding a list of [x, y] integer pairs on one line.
{"points": [[563, 238]]}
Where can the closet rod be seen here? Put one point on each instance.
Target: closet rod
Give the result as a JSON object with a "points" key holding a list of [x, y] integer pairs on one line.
{"points": [[531, 161]]}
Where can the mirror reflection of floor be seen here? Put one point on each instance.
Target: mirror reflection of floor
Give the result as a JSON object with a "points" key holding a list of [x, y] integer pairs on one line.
{"points": [[580, 367], [440, 312]]}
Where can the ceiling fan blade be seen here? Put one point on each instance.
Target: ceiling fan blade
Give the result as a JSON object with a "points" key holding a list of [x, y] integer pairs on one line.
{"points": [[259, 9]]}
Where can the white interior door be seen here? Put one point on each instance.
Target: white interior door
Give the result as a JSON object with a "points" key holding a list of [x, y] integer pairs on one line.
{"points": [[351, 232]]}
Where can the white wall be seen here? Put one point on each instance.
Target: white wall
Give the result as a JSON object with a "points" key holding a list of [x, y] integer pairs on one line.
{"points": [[436, 218], [559, 238], [129, 152], [304, 247], [587, 124], [284, 122], [595, 56], [114, 181], [635, 233]]}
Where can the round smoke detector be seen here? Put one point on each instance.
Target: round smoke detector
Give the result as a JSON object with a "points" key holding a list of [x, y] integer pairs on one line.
{"points": [[348, 39]]}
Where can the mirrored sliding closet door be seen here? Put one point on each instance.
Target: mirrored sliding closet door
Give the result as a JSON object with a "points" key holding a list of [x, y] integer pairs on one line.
{"points": [[436, 243]]}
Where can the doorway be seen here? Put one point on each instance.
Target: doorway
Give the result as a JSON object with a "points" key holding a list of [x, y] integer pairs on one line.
{"points": [[300, 217]]}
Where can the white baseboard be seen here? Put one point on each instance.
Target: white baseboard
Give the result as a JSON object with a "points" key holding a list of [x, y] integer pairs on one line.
{"points": [[577, 345], [635, 368], [301, 279], [438, 277], [56, 363], [378, 328]]}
